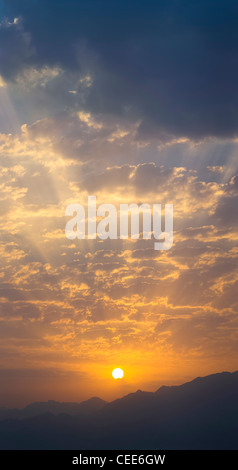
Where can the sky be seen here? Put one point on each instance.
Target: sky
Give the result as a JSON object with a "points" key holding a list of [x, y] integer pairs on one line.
{"points": [[130, 102]]}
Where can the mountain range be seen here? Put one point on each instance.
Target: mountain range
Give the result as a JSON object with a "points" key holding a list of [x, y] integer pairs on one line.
{"points": [[201, 414]]}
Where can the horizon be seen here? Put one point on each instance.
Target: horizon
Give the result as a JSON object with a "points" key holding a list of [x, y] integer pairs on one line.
{"points": [[204, 411], [121, 396]]}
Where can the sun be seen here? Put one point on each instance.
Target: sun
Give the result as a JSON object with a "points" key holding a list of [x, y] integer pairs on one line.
{"points": [[117, 373]]}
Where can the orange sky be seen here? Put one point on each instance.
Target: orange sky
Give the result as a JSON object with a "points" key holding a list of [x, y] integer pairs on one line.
{"points": [[72, 310], [77, 309]]}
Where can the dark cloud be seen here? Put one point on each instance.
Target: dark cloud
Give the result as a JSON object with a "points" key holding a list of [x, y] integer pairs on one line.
{"points": [[226, 213], [172, 65], [188, 331], [15, 47]]}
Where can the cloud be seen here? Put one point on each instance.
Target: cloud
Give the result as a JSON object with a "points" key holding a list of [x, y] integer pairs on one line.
{"points": [[15, 47], [2, 83], [172, 67], [32, 77]]}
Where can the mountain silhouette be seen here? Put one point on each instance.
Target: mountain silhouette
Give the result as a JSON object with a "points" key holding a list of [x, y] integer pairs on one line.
{"points": [[54, 407], [201, 414]]}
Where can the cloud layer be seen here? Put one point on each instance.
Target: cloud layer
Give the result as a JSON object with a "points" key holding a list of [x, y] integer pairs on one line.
{"points": [[171, 66]]}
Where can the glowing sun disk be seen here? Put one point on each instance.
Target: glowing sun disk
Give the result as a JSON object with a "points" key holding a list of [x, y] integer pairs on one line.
{"points": [[117, 373]]}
